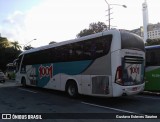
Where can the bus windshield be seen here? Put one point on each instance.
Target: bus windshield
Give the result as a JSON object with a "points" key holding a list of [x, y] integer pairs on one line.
{"points": [[10, 72]]}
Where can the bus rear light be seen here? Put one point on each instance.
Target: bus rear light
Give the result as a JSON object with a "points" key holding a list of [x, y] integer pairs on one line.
{"points": [[119, 75]]}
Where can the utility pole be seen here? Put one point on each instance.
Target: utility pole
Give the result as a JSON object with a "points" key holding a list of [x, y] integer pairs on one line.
{"points": [[28, 43], [109, 13]]}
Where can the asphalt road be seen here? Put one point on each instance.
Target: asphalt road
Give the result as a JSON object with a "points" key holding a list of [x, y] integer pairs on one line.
{"points": [[20, 100]]}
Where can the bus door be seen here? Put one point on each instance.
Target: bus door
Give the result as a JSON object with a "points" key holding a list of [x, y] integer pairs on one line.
{"points": [[32, 75]]}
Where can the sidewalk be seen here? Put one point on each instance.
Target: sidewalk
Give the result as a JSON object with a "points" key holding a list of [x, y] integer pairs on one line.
{"points": [[9, 83], [155, 93]]}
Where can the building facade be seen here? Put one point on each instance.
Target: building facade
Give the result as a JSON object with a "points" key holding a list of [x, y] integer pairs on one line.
{"points": [[153, 31]]}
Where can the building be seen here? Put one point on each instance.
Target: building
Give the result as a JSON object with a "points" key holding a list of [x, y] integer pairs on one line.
{"points": [[138, 31], [153, 31]]}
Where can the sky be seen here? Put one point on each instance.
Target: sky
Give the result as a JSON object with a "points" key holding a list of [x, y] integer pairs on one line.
{"points": [[38, 22]]}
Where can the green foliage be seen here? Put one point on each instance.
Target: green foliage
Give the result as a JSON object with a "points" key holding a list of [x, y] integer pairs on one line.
{"points": [[150, 42], [85, 32], [93, 28], [4, 43], [8, 52], [16, 45]]}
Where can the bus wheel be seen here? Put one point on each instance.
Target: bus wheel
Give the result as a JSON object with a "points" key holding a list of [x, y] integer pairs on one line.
{"points": [[23, 82], [72, 89]]}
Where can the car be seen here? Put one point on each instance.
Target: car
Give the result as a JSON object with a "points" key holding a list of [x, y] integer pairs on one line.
{"points": [[2, 77]]}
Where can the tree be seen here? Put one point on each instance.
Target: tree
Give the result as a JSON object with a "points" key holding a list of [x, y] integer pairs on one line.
{"points": [[85, 32], [93, 28], [8, 53], [98, 27], [152, 42], [4, 43], [16, 45]]}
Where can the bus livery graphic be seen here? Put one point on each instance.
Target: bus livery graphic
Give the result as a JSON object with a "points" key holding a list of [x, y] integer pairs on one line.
{"points": [[45, 71]]}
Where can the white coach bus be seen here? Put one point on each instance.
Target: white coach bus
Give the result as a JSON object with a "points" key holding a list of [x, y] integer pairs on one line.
{"points": [[106, 64]]}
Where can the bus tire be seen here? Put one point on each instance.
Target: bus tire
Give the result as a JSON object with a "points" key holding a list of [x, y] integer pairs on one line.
{"points": [[72, 89], [23, 82]]}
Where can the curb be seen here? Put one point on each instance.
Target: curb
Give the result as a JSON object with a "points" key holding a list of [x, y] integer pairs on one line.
{"points": [[150, 93]]}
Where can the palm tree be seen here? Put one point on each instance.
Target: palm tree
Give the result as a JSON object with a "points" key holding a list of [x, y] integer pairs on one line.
{"points": [[16, 45]]}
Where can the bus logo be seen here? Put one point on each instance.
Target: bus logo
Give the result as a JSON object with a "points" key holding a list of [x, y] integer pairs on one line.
{"points": [[134, 70], [45, 71]]}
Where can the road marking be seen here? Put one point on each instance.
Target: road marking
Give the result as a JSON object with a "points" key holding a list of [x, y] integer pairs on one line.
{"points": [[27, 90], [115, 109], [148, 97]]}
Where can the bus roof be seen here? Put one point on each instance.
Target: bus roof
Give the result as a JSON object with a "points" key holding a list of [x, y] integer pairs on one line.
{"points": [[153, 47], [112, 31]]}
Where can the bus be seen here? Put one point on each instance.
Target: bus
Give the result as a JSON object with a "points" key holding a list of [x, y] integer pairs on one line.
{"points": [[152, 73], [10, 71], [105, 64]]}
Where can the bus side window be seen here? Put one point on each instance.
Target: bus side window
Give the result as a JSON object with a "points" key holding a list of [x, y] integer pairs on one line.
{"points": [[52, 55], [151, 58], [156, 57], [66, 53], [75, 51], [102, 45], [148, 58], [88, 50]]}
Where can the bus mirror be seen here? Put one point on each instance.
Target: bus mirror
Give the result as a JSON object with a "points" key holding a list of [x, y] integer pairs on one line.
{"points": [[15, 62]]}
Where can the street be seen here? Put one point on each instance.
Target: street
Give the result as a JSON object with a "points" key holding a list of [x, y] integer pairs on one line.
{"points": [[17, 99]]}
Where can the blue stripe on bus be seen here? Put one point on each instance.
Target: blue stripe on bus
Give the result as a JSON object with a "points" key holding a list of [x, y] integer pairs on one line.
{"points": [[152, 47], [69, 68]]}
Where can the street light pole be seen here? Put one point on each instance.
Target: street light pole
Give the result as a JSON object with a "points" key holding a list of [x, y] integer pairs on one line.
{"points": [[109, 14], [28, 42]]}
